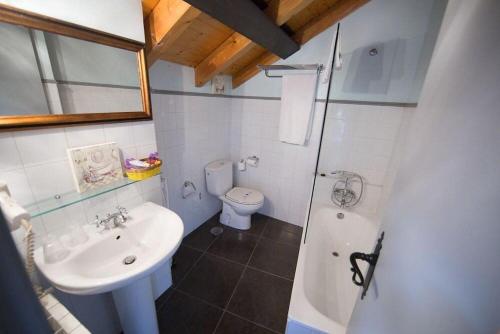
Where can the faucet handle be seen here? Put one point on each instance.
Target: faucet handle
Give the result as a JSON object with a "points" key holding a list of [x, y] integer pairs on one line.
{"points": [[123, 213], [122, 210]]}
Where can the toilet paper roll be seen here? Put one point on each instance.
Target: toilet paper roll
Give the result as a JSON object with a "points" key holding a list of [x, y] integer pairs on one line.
{"points": [[252, 161], [242, 166]]}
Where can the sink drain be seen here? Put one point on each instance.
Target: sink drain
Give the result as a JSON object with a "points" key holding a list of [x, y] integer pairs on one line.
{"points": [[129, 259]]}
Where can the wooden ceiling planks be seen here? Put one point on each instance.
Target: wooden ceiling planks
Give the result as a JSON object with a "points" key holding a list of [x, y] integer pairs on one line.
{"points": [[200, 38], [195, 39]]}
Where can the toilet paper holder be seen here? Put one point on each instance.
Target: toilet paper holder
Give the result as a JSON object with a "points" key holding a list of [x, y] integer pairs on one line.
{"points": [[253, 161]]}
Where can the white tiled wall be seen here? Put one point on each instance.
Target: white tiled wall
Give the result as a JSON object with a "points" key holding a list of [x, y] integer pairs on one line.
{"points": [[285, 172], [34, 164], [359, 138], [362, 139], [80, 99], [192, 131]]}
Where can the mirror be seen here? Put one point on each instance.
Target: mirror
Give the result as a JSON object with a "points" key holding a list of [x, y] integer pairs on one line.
{"points": [[55, 73]]}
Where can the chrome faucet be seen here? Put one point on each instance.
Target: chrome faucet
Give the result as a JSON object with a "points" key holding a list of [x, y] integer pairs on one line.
{"points": [[342, 193], [112, 220]]}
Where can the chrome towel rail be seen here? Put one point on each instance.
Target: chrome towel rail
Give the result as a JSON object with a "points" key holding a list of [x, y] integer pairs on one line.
{"points": [[292, 67]]}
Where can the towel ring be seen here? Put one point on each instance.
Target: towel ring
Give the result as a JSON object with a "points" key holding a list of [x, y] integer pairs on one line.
{"points": [[186, 185]]}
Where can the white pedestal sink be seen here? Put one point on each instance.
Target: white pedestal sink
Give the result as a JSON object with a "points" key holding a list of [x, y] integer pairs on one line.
{"points": [[149, 238]]}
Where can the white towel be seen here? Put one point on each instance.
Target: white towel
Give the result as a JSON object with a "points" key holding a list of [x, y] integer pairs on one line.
{"points": [[297, 107]]}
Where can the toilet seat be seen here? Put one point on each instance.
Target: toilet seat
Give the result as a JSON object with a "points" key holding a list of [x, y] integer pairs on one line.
{"points": [[245, 196]]}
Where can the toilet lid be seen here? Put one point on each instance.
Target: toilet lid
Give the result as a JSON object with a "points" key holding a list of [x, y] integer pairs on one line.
{"points": [[245, 196]]}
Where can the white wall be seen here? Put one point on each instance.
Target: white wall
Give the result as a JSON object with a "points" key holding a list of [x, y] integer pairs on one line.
{"points": [[439, 268], [118, 17], [192, 131], [362, 139], [404, 34], [285, 172]]}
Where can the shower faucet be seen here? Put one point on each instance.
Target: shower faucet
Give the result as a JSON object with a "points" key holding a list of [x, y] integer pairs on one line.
{"points": [[342, 193]]}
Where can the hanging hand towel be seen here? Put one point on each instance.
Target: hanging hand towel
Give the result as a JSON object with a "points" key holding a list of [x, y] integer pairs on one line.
{"points": [[297, 107]]}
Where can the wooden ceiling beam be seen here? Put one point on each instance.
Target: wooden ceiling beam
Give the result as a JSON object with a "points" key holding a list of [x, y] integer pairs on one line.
{"points": [[166, 22], [337, 12], [237, 45], [249, 20], [147, 6]]}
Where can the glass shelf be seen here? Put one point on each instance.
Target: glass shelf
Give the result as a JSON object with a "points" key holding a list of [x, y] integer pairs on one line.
{"points": [[63, 200]]}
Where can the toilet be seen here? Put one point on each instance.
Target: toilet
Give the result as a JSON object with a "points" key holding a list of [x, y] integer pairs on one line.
{"points": [[238, 204]]}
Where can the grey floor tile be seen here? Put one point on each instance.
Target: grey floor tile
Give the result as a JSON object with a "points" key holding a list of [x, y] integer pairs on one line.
{"points": [[231, 324], [201, 238], [284, 232], [275, 257], [212, 279], [183, 260], [262, 298], [182, 314], [234, 245]]}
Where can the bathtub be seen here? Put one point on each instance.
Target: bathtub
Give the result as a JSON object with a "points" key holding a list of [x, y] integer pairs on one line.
{"points": [[323, 295]]}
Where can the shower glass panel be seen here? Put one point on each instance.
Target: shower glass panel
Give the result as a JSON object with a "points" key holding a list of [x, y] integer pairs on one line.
{"points": [[386, 48]]}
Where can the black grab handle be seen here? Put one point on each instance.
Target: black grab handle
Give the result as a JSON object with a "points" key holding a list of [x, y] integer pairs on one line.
{"points": [[357, 276], [370, 258]]}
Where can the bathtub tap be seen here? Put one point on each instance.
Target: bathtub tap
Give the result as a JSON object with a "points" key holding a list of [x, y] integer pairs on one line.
{"points": [[342, 194]]}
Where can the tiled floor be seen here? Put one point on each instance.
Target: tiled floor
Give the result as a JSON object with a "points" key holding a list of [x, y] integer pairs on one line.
{"points": [[238, 282]]}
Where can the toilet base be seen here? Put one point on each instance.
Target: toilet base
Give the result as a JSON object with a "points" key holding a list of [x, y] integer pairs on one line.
{"points": [[231, 218]]}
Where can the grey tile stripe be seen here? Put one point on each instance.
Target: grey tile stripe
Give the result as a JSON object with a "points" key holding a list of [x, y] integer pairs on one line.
{"points": [[224, 96], [271, 98], [92, 84]]}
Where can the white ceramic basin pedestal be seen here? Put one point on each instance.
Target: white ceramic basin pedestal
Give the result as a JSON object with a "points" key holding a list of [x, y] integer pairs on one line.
{"points": [[136, 307], [152, 234]]}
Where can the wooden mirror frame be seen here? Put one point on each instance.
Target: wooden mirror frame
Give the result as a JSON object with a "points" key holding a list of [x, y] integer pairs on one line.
{"points": [[31, 20]]}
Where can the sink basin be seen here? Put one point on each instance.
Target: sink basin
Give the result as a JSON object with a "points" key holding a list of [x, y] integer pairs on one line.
{"points": [[149, 238]]}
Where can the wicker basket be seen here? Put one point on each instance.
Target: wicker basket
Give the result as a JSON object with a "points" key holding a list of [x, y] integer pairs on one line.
{"points": [[143, 173]]}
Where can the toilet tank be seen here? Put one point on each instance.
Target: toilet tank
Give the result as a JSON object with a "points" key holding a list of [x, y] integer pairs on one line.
{"points": [[219, 176]]}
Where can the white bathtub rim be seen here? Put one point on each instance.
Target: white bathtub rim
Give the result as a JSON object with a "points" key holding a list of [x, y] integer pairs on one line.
{"points": [[301, 310]]}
